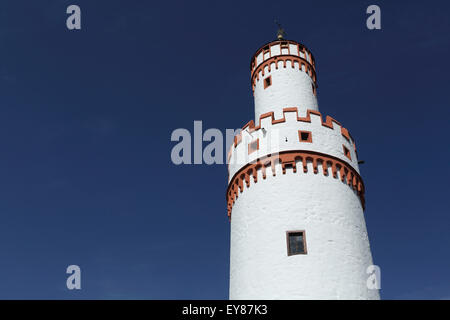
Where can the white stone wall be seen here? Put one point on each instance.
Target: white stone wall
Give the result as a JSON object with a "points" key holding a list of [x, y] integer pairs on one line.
{"points": [[338, 252]]}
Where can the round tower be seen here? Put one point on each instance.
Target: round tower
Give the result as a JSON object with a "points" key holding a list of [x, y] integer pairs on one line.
{"points": [[288, 68], [295, 196]]}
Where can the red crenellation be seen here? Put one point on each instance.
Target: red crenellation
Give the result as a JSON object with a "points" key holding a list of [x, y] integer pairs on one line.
{"points": [[289, 159]]}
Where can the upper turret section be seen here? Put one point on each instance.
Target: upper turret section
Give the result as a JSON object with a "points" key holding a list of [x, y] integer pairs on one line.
{"points": [[283, 75]]}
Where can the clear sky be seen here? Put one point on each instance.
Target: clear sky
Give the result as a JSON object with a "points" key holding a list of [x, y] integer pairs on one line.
{"points": [[86, 117]]}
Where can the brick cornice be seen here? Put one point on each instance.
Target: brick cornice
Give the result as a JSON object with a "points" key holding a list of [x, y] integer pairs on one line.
{"points": [[327, 123], [300, 48], [310, 70], [288, 159]]}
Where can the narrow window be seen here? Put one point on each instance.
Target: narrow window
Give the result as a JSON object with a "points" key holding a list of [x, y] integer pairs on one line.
{"points": [[267, 82], [284, 46], [266, 52], [253, 146], [301, 49], [347, 152], [305, 136], [313, 88], [296, 243]]}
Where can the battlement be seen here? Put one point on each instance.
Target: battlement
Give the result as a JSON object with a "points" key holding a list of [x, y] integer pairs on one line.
{"points": [[291, 132], [284, 61], [250, 126], [295, 197], [282, 50]]}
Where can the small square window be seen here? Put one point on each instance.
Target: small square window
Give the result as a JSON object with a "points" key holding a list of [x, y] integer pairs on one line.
{"points": [[305, 136], [347, 152], [296, 242], [253, 146], [267, 82]]}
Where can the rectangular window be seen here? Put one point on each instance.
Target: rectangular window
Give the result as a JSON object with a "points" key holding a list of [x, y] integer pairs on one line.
{"points": [[305, 136], [296, 242], [284, 46], [267, 82], [253, 146], [347, 152], [266, 52]]}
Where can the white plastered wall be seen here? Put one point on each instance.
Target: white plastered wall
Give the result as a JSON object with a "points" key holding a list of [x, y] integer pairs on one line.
{"points": [[338, 252], [291, 87]]}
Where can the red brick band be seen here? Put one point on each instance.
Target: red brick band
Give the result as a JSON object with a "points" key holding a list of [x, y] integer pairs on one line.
{"points": [[301, 64], [327, 123], [288, 159]]}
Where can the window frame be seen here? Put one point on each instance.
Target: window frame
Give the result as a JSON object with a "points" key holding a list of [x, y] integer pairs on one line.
{"points": [[309, 136], [305, 250], [347, 152]]}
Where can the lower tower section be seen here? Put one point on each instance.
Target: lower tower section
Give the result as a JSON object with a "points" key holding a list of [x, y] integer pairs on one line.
{"points": [[328, 214], [295, 201]]}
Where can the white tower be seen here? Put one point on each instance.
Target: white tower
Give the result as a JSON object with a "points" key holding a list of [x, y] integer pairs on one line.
{"points": [[295, 197]]}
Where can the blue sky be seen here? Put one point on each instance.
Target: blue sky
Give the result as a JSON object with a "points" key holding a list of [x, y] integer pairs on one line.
{"points": [[86, 118]]}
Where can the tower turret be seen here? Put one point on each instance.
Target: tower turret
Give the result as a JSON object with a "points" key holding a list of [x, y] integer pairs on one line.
{"points": [[283, 74], [295, 197]]}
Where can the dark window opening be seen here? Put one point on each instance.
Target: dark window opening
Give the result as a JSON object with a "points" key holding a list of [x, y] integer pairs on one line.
{"points": [[296, 242], [304, 135], [347, 152], [267, 82]]}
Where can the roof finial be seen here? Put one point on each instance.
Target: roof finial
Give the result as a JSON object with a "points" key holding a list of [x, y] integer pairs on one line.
{"points": [[280, 33]]}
